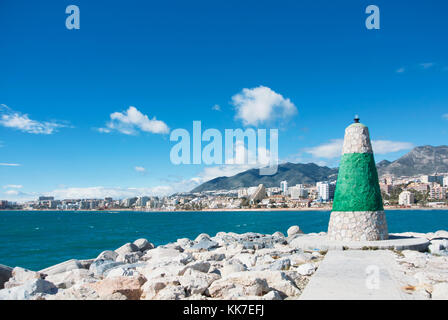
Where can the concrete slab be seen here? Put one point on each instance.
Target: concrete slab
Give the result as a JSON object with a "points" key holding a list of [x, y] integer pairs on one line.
{"points": [[396, 242], [355, 275]]}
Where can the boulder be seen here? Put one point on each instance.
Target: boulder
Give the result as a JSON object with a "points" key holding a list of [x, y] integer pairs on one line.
{"points": [[121, 272], [246, 258], [20, 276], [278, 234], [280, 264], [30, 290], [441, 234], [201, 237], [76, 292], [65, 280], [438, 246], [204, 245], [5, 274], [132, 257], [238, 284], [300, 258], [156, 271], [100, 267], [152, 287], [107, 255], [62, 267], [232, 267], [127, 286], [201, 266], [272, 295], [293, 230], [195, 282], [143, 244], [185, 243], [306, 269], [160, 254], [127, 248]]}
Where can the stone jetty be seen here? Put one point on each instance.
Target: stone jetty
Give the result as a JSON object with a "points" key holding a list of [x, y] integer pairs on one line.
{"points": [[225, 266]]}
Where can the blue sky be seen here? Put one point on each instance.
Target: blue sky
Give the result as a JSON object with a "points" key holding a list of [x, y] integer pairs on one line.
{"points": [[176, 60]]}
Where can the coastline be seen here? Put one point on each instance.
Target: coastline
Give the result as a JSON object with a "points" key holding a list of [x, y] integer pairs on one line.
{"points": [[222, 210]]}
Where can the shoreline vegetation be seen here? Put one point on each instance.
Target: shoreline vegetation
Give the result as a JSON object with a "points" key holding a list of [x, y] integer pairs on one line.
{"points": [[225, 209]]}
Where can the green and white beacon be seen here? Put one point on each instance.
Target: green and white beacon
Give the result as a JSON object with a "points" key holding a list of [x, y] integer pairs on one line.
{"points": [[358, 212]]}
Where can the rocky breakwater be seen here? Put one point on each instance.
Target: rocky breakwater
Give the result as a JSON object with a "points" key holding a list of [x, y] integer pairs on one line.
{"points": [[424, 275], [226, 266]]}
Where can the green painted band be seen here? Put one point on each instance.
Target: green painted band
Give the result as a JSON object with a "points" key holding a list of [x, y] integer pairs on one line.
{"points": [[357, 187]]}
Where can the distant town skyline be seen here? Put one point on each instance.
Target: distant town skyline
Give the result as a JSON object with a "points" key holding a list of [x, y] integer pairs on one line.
{"points": [[88, 113]]}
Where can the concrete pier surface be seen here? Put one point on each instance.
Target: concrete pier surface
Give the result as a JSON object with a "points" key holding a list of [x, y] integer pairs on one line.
{"points": [[355, 275], [395, 242]]}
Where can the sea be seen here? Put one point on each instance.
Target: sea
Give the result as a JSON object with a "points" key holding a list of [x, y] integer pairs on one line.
{"points": [[39, 239]]}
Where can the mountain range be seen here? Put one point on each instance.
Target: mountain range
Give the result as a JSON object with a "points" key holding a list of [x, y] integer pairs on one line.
{"points": [[420, 160]]}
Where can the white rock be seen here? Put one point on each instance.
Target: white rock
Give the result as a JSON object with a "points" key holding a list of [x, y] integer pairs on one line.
{"points": [[245, 282], [121, 272], [272, 295], [67, 279], [201, 266], [246, 258], [234, 266], [196, 282], [143, 244], [132, 257], [293, 230], [201, 237], [278, 234], [21, 275], [437, 246], [306, 269], [107, 255], [440, 291], [62, 267], [127, 248], [32, 289]]}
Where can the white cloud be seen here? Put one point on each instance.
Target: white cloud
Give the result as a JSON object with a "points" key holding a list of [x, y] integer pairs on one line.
{"points": [[10, 164], [327, 150], [427, 65], [333, 149], [14, 119], [261, 104], [401, 70], [387, 146], [13, 186], [100, 192], [139, 169], [445, 116], [216, 107], [12, 192], [243, 160], [131, 121]]}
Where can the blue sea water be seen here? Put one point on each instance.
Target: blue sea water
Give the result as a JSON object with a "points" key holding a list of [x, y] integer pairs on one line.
{"points": [[36, 240]]}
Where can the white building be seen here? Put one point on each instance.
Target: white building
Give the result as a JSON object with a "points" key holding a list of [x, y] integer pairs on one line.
{"points": [[406, 198], [325, 190], [445, 181], [284, 187], [259, 194], [298, 192]]}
